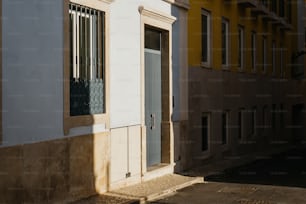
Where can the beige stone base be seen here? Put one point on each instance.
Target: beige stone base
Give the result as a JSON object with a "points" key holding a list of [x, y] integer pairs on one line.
{"points": [[59, 170]]}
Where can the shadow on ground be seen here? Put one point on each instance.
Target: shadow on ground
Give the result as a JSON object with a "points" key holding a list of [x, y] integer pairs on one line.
{"points": [[285, 169]]}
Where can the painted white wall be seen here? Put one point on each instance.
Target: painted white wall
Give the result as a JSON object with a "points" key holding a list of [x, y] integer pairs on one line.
{"points": [[125, 98], [32, 70]]}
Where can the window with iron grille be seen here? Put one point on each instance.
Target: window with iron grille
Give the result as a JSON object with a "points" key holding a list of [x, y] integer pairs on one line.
{"points": [[87, 63]]}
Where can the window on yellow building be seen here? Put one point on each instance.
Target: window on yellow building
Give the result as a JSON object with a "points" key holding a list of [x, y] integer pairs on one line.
{"points": [[264, 54], [225, 41], [240, 123], [205, 131], [240, 47], [282, 116], [273, 111], [205, 37], [281, 63], [289, 13], [253, 51], [253, 120], [264, 2], [273, 57], [225, 120], [274, 6], [281, 9]]}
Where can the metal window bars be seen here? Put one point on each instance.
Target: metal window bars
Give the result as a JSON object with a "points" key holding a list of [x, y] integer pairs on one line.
{"points": [[87, 60]]}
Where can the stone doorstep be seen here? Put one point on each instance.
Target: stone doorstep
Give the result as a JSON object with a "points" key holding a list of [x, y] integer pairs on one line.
{"points": [[170, 184]]}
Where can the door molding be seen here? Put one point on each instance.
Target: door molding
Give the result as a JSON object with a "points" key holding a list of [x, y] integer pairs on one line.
{"points": [[162, 21]]}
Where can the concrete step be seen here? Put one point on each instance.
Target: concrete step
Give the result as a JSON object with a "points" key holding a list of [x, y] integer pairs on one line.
{"points": [[155, 188]]}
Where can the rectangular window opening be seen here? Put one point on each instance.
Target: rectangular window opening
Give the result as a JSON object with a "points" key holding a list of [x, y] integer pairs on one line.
{"points": [[241, 47], [225, 41], [240, 123], [225, 125], [253, 120], [273, 58], [205, 37], [273, 116], [205, 132], [281, 58], [282, 116], [253, 50], [87, 60], [264, 54]]}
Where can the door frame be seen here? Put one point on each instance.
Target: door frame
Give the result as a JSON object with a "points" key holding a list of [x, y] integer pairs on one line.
{"points": [[163, 22]]}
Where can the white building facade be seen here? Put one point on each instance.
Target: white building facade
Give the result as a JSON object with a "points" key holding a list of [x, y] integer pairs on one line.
{"points": [[88, 100]]}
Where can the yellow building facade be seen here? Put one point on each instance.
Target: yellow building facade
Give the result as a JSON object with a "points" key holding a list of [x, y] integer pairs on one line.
{"points": [[245, 86], [253, 17]]}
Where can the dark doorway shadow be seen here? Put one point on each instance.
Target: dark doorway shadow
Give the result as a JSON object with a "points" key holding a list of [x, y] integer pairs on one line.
{"points": [[284, 169]]}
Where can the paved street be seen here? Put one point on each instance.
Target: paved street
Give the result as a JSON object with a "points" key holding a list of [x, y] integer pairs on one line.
{"points": [[279, 179]]}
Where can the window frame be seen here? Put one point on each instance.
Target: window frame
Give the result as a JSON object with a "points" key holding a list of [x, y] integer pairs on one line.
{"points": [[225, 64], [85, 120], [206, 63]]}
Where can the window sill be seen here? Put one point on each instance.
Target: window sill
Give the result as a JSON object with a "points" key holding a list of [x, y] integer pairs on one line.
{"points": [[86, 120], [225, 147], [225, 67], [240, 70], [206, 65], [203, 155]]}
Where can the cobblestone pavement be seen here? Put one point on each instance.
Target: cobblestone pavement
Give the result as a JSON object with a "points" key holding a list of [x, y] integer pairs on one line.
{"points": [[105, 199], [278, 179], [229, 193]]}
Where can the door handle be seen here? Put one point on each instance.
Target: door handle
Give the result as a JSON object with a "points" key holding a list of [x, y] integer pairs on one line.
{"points": [[152, 121]]}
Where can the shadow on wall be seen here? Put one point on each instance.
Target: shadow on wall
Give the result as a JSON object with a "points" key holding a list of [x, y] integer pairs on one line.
{"points": [[60, 170]]}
